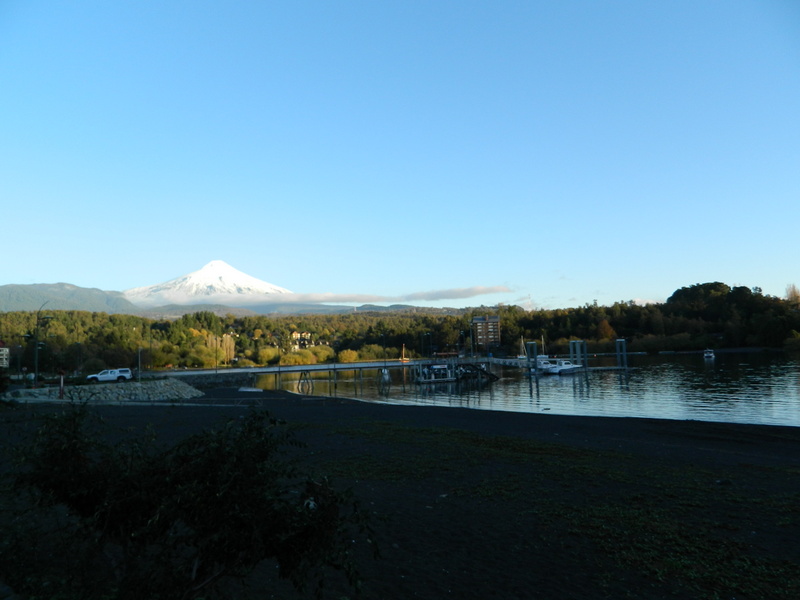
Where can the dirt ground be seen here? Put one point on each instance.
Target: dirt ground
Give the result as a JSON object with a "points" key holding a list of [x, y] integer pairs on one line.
{"points": [[491, 505]]}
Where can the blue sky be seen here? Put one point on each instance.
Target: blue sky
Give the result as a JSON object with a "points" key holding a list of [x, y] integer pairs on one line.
{"points": [[462, 153]]}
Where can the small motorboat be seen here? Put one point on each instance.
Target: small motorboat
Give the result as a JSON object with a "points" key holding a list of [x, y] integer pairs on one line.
{"points": [[544, 366], [564, 366], [708, 354], [556, 366]]}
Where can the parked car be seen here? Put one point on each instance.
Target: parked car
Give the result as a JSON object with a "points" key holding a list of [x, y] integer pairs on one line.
{"points": [[110, 375]]}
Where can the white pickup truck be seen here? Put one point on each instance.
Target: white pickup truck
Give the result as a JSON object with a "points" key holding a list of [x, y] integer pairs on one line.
{"points": [[110, 375]]}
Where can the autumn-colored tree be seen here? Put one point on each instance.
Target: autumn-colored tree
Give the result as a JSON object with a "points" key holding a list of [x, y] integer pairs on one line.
{"points": [[605, 331], [348, 356], [793, 295], [268, 355], [323, 353], [299, 357]]}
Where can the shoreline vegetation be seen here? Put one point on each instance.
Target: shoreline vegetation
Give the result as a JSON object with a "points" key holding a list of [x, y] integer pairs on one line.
{"points": [[481, 504], [708, 315]]}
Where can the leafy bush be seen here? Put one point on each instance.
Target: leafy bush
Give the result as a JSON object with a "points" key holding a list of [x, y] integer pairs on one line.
{"points": [[322, 352], [348, 356], [299, 357], [268, 355], [792, 344], [176, 522]]}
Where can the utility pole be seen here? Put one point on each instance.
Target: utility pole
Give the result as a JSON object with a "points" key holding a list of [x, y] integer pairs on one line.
{"points": [[39, 320]]}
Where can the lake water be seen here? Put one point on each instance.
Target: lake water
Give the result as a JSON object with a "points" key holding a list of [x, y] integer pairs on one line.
{"points": [[739, 388]]}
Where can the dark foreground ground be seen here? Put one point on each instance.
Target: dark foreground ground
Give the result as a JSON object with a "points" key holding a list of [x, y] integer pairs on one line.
{"points": [[490, 505]]}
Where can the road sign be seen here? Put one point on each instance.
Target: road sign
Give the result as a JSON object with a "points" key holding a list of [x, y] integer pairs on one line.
{"points": [[4, 355]]}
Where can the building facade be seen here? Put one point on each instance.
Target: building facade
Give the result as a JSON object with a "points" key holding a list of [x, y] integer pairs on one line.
{"points": [[486, 331]]}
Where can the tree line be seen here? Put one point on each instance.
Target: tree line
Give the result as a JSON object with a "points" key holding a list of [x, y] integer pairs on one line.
{"points": [[702, 315]]}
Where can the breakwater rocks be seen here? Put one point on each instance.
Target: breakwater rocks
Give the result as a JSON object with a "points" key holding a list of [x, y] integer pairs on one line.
{"points": [[152, 391]]}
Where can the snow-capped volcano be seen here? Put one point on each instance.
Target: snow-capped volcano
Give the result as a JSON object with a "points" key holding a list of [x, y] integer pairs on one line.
{"points": [[216, 283]]}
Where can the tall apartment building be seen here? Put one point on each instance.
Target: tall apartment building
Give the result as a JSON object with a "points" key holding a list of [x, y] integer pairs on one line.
{"points": [[486, 331]]}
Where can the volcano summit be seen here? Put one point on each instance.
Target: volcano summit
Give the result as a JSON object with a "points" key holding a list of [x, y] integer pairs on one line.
{"points": [[215, 283]]}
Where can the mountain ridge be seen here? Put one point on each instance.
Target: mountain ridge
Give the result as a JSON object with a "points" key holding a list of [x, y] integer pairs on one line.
{"points": [[62, 296], [31, 297], [217, 287]]}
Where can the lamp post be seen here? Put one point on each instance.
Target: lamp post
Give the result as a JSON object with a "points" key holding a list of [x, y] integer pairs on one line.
{"points": [[39, 320], [19, 364], [216, 353], [232, 345], [279, 339], [75, 358]]}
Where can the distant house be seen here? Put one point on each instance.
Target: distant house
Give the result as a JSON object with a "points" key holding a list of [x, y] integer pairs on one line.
{"points": [[486, 331], [301, 339]]}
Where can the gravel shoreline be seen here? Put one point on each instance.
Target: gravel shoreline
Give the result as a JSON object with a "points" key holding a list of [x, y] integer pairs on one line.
{"points": [[482, 504]]}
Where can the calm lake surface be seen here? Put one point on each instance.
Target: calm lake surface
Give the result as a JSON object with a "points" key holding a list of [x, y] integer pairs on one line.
{"points": [[759, 388]]}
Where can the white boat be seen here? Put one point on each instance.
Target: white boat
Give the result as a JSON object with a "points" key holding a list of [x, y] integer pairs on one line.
{"points": [[523, 353], [546, 366], [564, 366], [555, 366], [709, 354]]}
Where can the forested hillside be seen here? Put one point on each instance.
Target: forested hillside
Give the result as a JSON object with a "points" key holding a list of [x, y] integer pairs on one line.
{"points": [[703, 315]]}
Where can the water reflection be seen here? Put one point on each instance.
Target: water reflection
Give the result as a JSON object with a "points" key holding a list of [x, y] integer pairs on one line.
{"points": [[743, 388]]}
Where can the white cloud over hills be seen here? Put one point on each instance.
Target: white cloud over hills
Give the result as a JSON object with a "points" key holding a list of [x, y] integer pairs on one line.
{"points": [[219, 283]]}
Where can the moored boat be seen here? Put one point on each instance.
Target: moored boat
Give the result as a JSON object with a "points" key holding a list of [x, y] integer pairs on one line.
{"points": [[564, 366], [555, 366]]}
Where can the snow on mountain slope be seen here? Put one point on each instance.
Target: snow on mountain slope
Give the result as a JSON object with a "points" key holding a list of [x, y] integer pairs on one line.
{"points": [[215, 283]]}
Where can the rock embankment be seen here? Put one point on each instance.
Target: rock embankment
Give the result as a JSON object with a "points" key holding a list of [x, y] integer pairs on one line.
{"points": [[153, 391]]}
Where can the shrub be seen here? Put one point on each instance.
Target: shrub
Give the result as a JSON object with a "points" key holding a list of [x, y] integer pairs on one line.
{"points": [[322, 352], [168, 523], [299, 357], [792, 344], [268, 355], [348, 356]]}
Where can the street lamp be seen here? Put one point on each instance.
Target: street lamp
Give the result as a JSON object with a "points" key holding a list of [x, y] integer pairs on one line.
{"points": [[216, 353], [39, 320], [19, 364], [279, 338], [77, 355]]}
